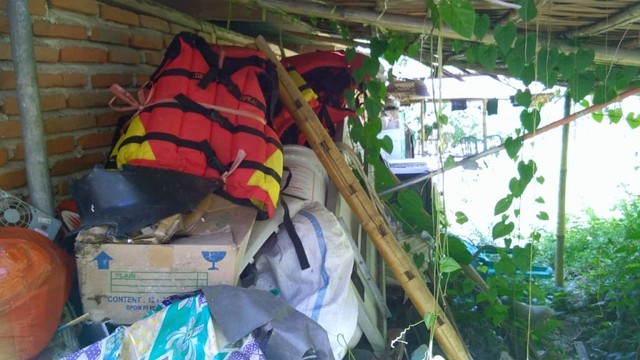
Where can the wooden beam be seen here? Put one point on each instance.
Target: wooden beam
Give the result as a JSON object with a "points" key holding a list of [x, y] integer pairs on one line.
{"points": [[622, 18], [419, 25], [217, 10], [172, 15]]}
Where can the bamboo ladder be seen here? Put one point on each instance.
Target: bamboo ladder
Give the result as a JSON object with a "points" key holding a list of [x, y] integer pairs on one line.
{"points": [[362, 206]]}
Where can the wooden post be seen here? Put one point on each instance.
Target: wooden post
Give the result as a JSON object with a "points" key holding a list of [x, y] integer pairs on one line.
{"points": [[423, 137], [362, 206], [562, 195]]}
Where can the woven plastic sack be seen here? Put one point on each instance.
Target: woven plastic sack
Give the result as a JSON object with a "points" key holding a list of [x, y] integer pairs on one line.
{"points": [[35, 280]]}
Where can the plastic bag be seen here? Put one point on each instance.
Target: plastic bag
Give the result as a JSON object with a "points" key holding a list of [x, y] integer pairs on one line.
{"points": [[35, 280]]}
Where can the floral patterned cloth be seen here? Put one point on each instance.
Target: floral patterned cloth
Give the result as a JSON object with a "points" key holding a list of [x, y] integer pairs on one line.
{"points": [[178, 329]]}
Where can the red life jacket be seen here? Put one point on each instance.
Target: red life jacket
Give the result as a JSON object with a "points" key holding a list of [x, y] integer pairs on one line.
{"points": [[208, 113], [326, 75]]}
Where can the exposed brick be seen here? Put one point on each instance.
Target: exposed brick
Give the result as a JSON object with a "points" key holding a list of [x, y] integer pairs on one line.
{"points": [[4, 156], [154, 23], [166, 40], [13, 179], [10, 129], [118, 15], [47, 29], [109, 118], [54, 101], [146, 42], [88, 99], [124, 56], [107, 35], [74, 79], [85, 6], [175, 28], [59, 145], [7, 80], [48, 102], [208, 37], [154, 57], [46, 54], [37, 7], [4, 24], [142, 79], [46, 80], [95, 140], [61, 188], [5, 51], [75, 164], [83, 54], [69, 123], [106, 80]]}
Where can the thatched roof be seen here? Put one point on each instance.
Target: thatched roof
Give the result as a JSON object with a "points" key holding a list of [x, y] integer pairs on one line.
{"points": [[610, 27]]}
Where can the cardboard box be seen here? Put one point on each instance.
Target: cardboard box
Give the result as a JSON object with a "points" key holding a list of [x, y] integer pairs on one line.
{"points": [[123, 281]]}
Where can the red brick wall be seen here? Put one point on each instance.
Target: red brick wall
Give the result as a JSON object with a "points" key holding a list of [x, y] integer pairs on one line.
{"points": [[81, 48]]}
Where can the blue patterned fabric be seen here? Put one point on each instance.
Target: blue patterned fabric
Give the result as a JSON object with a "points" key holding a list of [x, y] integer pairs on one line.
{"points": [[178, 329]]}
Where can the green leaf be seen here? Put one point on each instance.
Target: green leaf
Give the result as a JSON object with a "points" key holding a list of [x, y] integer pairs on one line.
{"points": [[443, 119], [528, 74], [448, 264], [457, 45], [530, 119], [430, 320], [603, 94], [543, 215], [450, 163], [434, 13], [598, 116], [502, 229], [504, 36], [467, 286], [482, 26], [526, 46], [387, 144], [547, 58], [540, 200], [548, 77], [410, 200], [515, 63], [349, 54], [582, 85], [615, 115], [633, 121], [459, 15], [515, 187], [458, 250], [373, 106], [526, 171], [418, 259], [522, 257], [523, 98], [372, 128], [461, 217], [472, 54], [528, 10], [377, 46], [413, 50], [503, 205], [540, 179], [384, 178], [344, 32], [566, 65], [513, 146], [487, 56], [584, 59], [395, 47]]}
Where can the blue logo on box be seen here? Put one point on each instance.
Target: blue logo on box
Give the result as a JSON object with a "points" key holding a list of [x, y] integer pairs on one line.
{"points": [[213, 257], [103, 260]]}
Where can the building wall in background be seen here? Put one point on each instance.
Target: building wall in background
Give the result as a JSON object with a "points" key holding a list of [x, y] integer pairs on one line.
{"points": [[81, 48]]}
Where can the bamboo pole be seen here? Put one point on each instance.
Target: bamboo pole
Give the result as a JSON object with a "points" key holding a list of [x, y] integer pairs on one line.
{"points": [[362, 206], [562, 198]]}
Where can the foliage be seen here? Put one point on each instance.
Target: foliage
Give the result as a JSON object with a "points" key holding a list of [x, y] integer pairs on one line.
{"points": [[603, 259]]}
